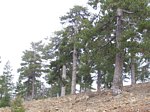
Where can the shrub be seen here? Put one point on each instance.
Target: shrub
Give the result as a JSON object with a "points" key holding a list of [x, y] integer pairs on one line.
{"points": [[17, 105], [5, 101]]}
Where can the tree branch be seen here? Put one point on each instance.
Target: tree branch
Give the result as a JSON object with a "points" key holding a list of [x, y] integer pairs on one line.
{"points": [[128, 12]]}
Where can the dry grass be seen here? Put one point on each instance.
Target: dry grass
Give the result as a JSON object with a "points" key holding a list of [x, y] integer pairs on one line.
{"points": [[133, 99]]}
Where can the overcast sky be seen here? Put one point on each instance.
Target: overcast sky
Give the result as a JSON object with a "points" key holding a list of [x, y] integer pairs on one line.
{"points": [[26, 21]]}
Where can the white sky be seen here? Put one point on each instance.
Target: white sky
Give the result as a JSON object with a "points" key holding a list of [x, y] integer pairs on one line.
{"points": [[26, 21]]}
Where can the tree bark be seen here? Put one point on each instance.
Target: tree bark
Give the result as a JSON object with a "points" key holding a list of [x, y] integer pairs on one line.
{"points": [[63, 88], [82, 88], [74, 67], [33, 87], [133, 80], [117, 80], [99, 76]]}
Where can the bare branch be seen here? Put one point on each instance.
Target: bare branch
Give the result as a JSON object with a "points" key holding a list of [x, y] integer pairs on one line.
{"points": [[128, 12]]}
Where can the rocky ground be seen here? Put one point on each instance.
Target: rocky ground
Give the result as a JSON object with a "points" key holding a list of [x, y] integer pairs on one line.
{"points": [[133, 99]]}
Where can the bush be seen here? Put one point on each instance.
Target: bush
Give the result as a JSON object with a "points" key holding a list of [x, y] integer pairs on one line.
{"points": [[17, 105], [5, 101]]}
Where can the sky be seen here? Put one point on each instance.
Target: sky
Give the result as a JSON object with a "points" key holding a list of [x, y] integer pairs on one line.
{"points": [[26, 21]]}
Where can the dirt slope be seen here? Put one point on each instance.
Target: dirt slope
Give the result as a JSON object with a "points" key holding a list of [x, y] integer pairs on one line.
{"points": [[133, 99]]}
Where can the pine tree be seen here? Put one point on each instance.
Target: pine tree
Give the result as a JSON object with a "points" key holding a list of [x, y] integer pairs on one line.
{"points": [[75, 19], [30, 71], [129, 24], [6, 85], [54, 55]]}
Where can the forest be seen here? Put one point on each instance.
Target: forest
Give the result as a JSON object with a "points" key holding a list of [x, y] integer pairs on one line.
{"points": [[107, 42]]}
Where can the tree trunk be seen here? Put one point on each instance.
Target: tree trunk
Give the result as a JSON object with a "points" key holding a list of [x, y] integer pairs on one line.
{"points": [[117, 80], [133, 80], [28, 92], [74, 67], [57, 95], [63, 88], [99, 76], [82, 88], [33, 88], [87, 90]]}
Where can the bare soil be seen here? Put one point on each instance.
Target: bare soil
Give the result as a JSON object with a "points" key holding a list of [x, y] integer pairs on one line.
{"points": [[133, 99]]}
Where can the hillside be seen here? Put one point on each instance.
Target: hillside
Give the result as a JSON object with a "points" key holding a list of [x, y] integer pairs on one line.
{"points": [[133, 99]]}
